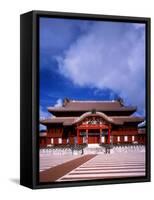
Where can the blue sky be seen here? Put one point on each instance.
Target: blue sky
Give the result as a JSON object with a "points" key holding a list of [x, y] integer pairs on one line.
{"points": [[91, 60]]}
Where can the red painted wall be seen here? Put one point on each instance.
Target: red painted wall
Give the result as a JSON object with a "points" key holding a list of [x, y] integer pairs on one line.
{"points": [[64, 140], [93, 139], [80, 140], [58, 133], [71, 140], [42, 142]]}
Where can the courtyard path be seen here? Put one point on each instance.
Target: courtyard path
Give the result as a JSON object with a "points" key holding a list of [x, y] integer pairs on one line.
{"points": [[48, 160], [109, 166], [54, 173]]}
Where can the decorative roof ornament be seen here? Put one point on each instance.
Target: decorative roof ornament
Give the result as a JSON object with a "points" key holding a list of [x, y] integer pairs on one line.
{"points": [[93, 111], [66, 101], [120, 100]]}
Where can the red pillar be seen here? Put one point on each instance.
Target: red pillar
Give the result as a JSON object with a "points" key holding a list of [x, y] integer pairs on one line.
{"points": [[87, 136], [109, 134], [100, 136], [77, 136]]}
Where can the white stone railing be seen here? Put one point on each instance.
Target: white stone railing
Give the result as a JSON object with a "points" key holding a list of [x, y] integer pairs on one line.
{"points": [[94, 150]]}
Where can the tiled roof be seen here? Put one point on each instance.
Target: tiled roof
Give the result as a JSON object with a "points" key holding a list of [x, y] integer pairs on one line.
{"points": [[90, 105], [59, 120], [71, 120], [142, 130], [121, 120], [43, 134]]}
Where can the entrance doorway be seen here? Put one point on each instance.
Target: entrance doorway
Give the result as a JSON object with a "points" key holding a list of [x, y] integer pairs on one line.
{"points": [[93, 136]]}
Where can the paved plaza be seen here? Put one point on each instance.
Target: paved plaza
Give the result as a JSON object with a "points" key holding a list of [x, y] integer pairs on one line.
{"points": [[109, 166], [92, 166]]}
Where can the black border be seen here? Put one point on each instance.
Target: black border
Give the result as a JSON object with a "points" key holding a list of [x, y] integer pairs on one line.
{"points": [[33, 21]]}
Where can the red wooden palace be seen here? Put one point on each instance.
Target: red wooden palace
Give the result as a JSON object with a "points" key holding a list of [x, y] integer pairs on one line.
{"points": [[92, 122]]}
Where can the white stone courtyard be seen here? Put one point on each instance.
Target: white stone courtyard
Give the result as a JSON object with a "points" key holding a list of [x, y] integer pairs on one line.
{"points": [[120, 162], [103, 166]]}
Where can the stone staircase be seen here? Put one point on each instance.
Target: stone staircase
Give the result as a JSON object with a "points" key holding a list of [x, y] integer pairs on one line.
{"points": [[94, 149]]}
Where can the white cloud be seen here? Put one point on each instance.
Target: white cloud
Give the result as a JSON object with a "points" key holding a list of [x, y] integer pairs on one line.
{"points": [[109, 55], [59, 103], [44, 114]]}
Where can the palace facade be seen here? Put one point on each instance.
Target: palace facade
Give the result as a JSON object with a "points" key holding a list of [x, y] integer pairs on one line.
{"points": [[92, 122]]}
